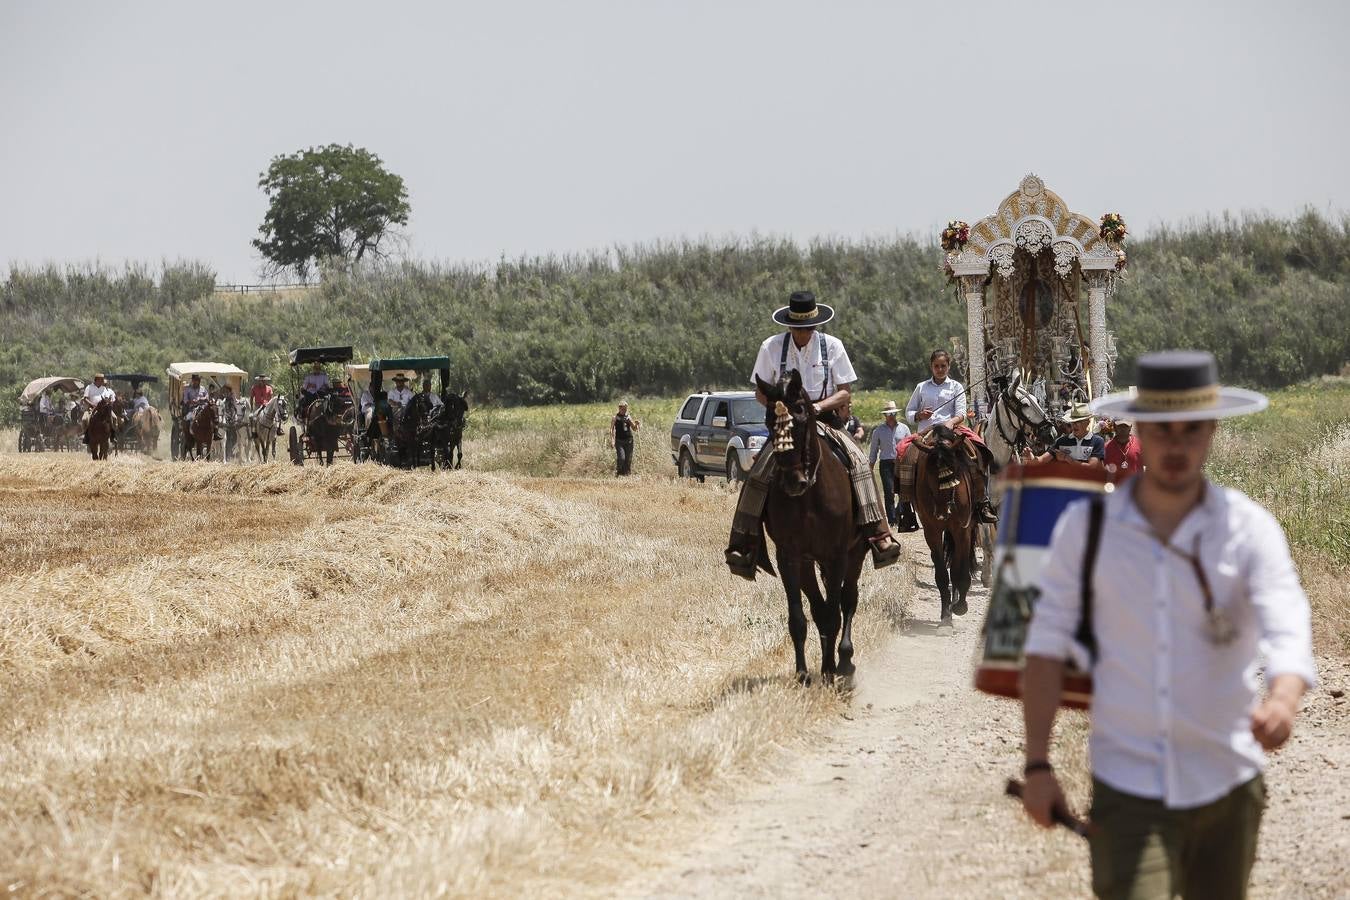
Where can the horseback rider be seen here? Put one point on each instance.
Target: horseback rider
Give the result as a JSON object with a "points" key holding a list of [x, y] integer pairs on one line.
{"points": [[261, 393], [194, 397], [940, 400], [95, 394], [828, 375]]}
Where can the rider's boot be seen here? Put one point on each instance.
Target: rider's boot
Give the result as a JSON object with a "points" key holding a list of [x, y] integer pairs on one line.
{"points": [[885, 548], [908, 522], [986, 512], [741, 556]]}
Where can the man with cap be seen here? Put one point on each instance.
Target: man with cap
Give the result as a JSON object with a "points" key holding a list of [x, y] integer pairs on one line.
{"points": [[401, 395], [826, 374], [882, 449], [94, 394], [1080, 444], [621, 428], [1122, 451], [1198, 586]]}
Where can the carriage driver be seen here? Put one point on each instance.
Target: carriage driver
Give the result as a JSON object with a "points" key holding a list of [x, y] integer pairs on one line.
{"points": [[432, 398], [93, 395], [193, 398], [315, 383], [827, 374], [401, 395]]}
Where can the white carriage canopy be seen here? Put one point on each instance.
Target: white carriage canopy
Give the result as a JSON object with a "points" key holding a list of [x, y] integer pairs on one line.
{"points": [[359, 376], [212, 373], [1022, 272], [38, 386]]}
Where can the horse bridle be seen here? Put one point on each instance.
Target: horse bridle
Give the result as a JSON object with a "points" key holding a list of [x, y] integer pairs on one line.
{"points": [[1013, 407], [785, 440]]}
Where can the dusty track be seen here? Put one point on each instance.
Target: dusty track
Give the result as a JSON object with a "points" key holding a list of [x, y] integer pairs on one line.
{"points": [[902, 797]]}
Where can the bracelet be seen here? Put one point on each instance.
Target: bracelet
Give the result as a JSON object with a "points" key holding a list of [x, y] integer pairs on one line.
{"points": [[1039, 765]]}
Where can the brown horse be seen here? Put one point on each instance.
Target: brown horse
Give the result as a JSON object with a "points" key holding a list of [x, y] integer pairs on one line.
{"points": [[945, 486], [199, 435], [809, 514], [146, 424], [99, 433]]}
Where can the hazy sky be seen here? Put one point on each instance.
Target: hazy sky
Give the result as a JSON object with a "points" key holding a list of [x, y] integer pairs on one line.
{"points": [[137, 130]]}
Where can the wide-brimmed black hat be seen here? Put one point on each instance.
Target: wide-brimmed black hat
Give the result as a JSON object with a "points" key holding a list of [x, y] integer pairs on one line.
{"points": [[1179, 386], [803, 311]]}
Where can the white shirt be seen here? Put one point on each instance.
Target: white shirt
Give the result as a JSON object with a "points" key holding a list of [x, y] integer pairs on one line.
{"points": [[193, 394], [436, 401], [45, 405], [367, 401], [805, 360], [400, 395], [945, 400], [140, 403], [1171, 708], [314, 382], [93, 393]]}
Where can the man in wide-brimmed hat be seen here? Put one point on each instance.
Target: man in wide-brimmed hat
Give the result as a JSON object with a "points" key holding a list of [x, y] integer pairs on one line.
{"points": [[401, 395], [93, 395], [826, 374], [1080, 444], [881, 453], [1196, 585]]}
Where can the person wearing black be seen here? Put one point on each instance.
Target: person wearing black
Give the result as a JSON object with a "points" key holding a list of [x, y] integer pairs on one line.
{"points": [[621, 429]]}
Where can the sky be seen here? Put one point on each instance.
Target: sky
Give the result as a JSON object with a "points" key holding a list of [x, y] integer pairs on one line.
{"points": [[138, 130]]}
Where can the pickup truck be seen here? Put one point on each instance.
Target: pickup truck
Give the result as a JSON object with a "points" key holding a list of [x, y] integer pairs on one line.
{"points": [[718, 433]]}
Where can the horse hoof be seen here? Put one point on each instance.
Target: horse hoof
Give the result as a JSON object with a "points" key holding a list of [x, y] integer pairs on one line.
{"points": [[959, 607], [803, 679], [945, 625], [846, 667]]}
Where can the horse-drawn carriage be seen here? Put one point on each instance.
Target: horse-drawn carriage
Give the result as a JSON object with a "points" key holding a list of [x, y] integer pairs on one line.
{"points": [[57, 428], [325, 413], [414, 428], [193, 433], [140, 427]]}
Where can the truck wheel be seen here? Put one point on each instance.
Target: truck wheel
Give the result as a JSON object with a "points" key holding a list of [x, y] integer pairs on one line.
{"points": [[687, 467], [734, 475]]}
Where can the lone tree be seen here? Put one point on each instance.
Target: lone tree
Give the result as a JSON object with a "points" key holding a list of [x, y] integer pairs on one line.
{"points": [[331, 202]]}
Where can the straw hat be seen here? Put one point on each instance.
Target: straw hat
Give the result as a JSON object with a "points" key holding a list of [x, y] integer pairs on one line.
{"points": [[1179, 386], [1079, 412], [890, 409]]}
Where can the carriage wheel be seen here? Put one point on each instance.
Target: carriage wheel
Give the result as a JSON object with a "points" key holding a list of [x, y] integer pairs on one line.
{"points": [[296, 451], [25, 442], [175, 441]]}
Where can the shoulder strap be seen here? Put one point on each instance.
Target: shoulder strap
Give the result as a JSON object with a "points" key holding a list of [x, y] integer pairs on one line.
{"points": [[1086, 634], [824, 366], [782, 357]]}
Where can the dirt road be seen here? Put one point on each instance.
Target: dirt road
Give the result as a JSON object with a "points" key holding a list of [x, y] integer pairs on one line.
{"points": [[903, 797]]}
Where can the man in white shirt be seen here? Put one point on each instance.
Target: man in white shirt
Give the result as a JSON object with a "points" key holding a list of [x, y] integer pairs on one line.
{"points": [[45, 404], [315, 383], [433, 399], [827, 374], [1197, 583], [401, 395], [94, 394]]}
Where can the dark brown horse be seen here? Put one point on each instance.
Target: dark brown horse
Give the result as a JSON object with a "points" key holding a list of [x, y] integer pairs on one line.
{"points": [[327, 418], [99, 433], [809, 514], [945, 486], [199, 435]]}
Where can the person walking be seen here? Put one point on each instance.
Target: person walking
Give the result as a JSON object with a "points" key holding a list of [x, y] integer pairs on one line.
{"points": [[1197, 584], [1122, 451], [621, 429], [882, 454]]}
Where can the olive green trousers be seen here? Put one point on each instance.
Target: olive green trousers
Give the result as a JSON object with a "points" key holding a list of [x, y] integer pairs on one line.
{"points": [[1141, 850]]}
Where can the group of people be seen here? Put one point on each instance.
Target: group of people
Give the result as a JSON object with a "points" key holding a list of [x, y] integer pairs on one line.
{"points": [[1191, 585]]}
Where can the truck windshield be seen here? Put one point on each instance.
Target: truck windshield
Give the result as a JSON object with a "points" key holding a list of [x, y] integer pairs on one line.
{"points": [[747, 411]]}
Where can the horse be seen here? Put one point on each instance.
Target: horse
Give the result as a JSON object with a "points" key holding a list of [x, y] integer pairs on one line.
{"points": [[262, 425], [809, 514], [326, 419], [99, 432], [199, 434], [944, 498], [409, 434], [445, 429], [234, 421], [146, 434], [1016, 417]]}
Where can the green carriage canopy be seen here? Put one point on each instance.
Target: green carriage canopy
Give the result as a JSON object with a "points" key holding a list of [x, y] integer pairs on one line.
{"points": [[395, 364]]}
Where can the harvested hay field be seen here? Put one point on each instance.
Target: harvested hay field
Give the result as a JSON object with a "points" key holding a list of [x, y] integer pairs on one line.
{"points": [[275, 681]]}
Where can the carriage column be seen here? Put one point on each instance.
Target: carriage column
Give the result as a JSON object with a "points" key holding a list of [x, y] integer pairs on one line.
{"points": [[973, 277], [1100, 283]]}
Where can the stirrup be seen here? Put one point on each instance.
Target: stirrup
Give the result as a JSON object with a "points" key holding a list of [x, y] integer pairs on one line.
{"points": [[986, 513], [742, 563], [883, 557]]}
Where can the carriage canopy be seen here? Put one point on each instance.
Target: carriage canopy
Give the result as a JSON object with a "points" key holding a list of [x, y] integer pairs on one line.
{"points": [[304, 355], [379, 368], [38, 386], [359, 374], [135, 379], [211, 372]]}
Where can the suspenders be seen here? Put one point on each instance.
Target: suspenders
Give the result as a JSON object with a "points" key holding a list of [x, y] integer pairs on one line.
{"points": [[824, 361]]}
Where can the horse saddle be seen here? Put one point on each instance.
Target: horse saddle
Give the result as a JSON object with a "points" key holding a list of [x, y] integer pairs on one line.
{"points": [[833, 440]]}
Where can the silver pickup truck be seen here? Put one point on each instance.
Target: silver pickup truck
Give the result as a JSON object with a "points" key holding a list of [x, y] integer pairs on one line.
{"points": [[718, 433]]}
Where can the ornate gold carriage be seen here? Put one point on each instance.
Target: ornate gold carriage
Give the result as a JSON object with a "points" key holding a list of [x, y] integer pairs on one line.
{"points": [[1023, 273]]}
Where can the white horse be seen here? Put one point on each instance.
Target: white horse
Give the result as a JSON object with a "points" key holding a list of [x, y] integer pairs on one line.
{"points": [[1017, 416], [234, 423], [263, 424]]}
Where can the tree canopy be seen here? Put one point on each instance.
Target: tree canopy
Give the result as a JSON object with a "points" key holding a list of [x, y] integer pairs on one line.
{"points": [[328, 203]]}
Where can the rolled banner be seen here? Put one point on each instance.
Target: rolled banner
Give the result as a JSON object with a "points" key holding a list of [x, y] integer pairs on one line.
{"points": [[1034, 496]]}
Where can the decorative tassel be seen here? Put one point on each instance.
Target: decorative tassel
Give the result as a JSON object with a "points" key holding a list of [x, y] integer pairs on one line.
{"points": [[947, 479], [782, 439]]}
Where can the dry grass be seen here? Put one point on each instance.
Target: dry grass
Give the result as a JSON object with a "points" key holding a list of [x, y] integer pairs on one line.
{"points": [[227, 680]]}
